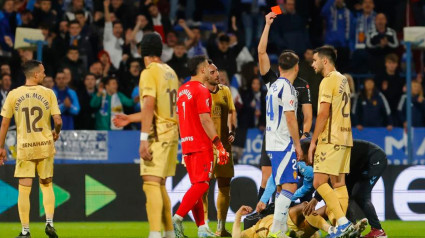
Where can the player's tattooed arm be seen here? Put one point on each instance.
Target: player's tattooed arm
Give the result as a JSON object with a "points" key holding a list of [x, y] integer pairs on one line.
{"points": [[3, 131]]}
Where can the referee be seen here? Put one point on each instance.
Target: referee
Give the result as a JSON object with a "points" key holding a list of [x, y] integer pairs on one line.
{"points": [[304, 110], [368, 162]]}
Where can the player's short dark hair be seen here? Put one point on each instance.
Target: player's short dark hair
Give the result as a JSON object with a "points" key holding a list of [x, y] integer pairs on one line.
{"points": [[288, 59], [73, 22], [29, 66], [193, 63], [327, 51], [3, 75]]}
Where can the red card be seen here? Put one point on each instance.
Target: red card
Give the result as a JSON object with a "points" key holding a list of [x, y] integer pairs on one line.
{"points": [[277, 10]]}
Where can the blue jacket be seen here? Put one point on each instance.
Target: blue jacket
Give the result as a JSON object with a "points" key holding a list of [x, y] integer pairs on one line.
{"points": [[8, 24], [362, 27], [373, 112], [304, 170], [418, 111], [339, 24], [67, 113]]}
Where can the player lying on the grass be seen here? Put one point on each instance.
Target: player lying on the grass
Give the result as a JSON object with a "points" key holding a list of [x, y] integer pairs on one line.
{"points": [[367, 164], [296, 222]]}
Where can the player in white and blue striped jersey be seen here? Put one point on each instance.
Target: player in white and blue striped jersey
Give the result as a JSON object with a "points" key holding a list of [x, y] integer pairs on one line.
{"points": [[282, 138]]}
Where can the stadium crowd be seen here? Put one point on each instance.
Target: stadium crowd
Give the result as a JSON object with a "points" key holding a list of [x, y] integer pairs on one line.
{"points": [[93, 59]]}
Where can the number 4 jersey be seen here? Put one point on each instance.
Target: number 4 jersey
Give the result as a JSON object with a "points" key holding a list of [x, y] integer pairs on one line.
{"points": [[281, 97], [160, 81], [334, 89], [32, 108], [193, 99]]}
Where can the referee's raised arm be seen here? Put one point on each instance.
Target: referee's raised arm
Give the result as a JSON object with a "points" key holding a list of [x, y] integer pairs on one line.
{"points": [[263, 57]]}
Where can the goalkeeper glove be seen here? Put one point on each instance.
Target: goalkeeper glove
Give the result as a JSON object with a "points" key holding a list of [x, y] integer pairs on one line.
{"points": [[223, 156]]}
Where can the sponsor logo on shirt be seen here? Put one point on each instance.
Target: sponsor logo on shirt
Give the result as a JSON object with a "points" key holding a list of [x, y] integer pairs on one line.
{"points": [[187, 138]]}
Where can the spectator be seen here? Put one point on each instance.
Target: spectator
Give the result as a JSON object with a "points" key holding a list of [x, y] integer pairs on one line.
{"points": [[370, 108], [76, 66], [339, 24], [6, 84], [44, 14], [364, 23], [168, 48], [253, 19], [90, 32], [77, 5], [48, 82], [112, 37], [253, 113], [107, 67], [124, 12], [194, 43], [27, 19], [130, 78], [161, 24], [61, 42], [418, 107], [109, 102], [179, 61], [9, 20], [381, 41], [221, 53], [224, 79], [67, 100], [86, 118], [82, 43], [289, 31], [307, 73], [391, 84], [97, 70], [141, 25], [5, 69]]}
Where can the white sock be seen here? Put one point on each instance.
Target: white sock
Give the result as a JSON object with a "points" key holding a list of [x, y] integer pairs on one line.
{"points": [[221, 225], [169, 234], [281, 208], [25, 230], [342, 221], [49, 221], [177, 217], [154, 234]]}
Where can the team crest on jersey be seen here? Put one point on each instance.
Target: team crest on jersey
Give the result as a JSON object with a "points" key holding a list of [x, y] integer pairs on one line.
{"points": [[291, 102], [208, 102], [295, 174], [336, 147]]}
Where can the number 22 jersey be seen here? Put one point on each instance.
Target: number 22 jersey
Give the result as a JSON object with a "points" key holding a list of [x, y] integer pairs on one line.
{"points": [[193, 99], [32, 107]]}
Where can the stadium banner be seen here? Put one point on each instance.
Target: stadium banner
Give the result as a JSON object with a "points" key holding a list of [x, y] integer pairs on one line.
{"points": [[113, 192], [121, 147]]}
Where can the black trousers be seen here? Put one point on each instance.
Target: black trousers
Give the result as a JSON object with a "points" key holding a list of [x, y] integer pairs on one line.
{"points": [[360, 188]]}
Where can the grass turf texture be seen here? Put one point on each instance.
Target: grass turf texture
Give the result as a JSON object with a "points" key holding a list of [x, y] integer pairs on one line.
{"points": [[141, 229]]}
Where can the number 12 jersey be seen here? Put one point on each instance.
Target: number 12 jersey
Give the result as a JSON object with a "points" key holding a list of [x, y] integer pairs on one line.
{"points": [[32, 108]]}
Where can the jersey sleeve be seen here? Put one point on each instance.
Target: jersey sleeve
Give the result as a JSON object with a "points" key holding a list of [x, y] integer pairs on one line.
{"points": [[326, 93], [288, 98], [147, 84], [203, 101], [269, 77], [7, 109], [54, 104], [230, 100], [305, 96]]}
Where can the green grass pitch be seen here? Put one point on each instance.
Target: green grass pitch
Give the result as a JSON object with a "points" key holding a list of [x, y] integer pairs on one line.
{"points": [[140, 229]]}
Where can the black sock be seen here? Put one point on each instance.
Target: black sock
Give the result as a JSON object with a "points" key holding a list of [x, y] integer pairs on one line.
{"points": [[260, 192]]}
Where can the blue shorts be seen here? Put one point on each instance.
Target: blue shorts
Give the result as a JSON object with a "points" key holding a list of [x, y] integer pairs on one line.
{"points": [[284, 166]]}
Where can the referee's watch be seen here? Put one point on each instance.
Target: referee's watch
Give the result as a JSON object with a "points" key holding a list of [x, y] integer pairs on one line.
{"points": [[306, 134]]}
